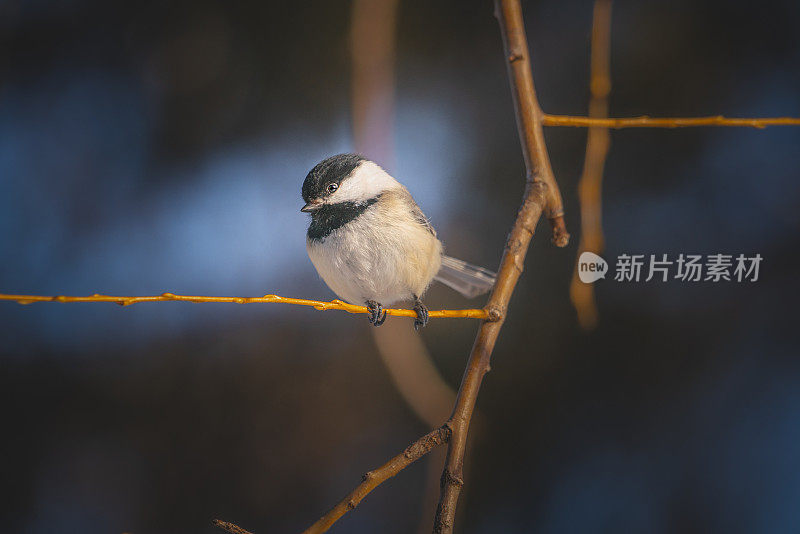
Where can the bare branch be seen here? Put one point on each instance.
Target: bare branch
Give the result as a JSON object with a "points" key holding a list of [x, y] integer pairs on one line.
{"points": [[541, 194], [597, 144], [374, 478], [678, 122], [230, 527], [316, 304], [510, 270], [529, 113]]}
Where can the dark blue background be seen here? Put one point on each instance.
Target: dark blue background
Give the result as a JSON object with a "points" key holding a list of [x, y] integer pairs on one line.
{"points": [[150, 147]]}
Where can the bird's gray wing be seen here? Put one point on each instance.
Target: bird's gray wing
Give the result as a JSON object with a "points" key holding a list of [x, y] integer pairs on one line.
{"points": [[416, 212]]}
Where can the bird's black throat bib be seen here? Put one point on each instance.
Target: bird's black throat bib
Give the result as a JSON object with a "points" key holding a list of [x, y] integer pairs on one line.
{"points": [[332, 216]]}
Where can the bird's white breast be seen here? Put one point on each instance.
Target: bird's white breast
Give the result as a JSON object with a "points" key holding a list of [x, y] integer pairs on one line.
{"points": [[385, 254]]}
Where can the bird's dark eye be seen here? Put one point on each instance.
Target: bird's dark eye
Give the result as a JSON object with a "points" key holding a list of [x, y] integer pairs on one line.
{"points": [[331, 188]]}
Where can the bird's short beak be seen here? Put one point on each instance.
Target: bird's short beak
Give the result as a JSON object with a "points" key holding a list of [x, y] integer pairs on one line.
{"points": [[313, 205]]}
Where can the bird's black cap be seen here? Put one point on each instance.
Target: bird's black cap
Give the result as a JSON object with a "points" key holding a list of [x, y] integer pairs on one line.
{"points": [[331, 170]]}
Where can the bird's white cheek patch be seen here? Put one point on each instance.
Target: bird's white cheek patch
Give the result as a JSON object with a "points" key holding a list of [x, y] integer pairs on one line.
{"points": [[367, 181]]}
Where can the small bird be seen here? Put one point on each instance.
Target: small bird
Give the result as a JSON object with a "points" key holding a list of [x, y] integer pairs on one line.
{"points": [[371, 243]]}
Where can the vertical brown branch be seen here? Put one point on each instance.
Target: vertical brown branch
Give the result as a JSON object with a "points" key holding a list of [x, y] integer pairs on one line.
{"points": [[511, 268], [597, 145], [541, 194], [529, 113]]}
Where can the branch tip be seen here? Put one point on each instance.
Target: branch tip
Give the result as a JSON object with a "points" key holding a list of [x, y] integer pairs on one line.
{"points": [[230, 527], [560, 235]]}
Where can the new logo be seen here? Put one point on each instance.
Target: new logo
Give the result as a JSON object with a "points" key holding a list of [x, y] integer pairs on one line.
{"points": [[591, 267]]}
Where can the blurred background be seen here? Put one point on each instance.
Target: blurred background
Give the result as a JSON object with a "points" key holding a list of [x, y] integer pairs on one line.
{"points": [[160, 146]]}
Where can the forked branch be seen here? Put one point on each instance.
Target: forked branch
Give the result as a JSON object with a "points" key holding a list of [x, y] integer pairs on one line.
{"points": [[541, 194], [529, 113], [370, 481], [511, 268], [373, 479]]}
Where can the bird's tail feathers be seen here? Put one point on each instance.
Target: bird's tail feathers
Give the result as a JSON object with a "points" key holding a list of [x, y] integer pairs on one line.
{"points": [[469, 280]]}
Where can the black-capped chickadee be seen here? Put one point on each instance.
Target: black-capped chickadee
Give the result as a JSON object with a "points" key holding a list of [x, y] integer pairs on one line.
{"points": [[372, 244]]}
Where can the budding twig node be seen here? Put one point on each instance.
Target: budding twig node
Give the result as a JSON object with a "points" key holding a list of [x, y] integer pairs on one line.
{"points": [[450, 478], [496, 313]]}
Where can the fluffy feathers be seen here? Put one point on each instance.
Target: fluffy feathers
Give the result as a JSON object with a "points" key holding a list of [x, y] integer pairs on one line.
{"points": [[371, 243]]}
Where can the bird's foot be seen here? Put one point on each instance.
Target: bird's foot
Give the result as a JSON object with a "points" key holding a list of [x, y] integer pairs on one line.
{"points": [[377, 315], [422, 314]]}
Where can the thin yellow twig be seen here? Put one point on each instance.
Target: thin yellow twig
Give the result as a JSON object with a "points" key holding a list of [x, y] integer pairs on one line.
{"points": [[316, 304], [662, 122]]}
